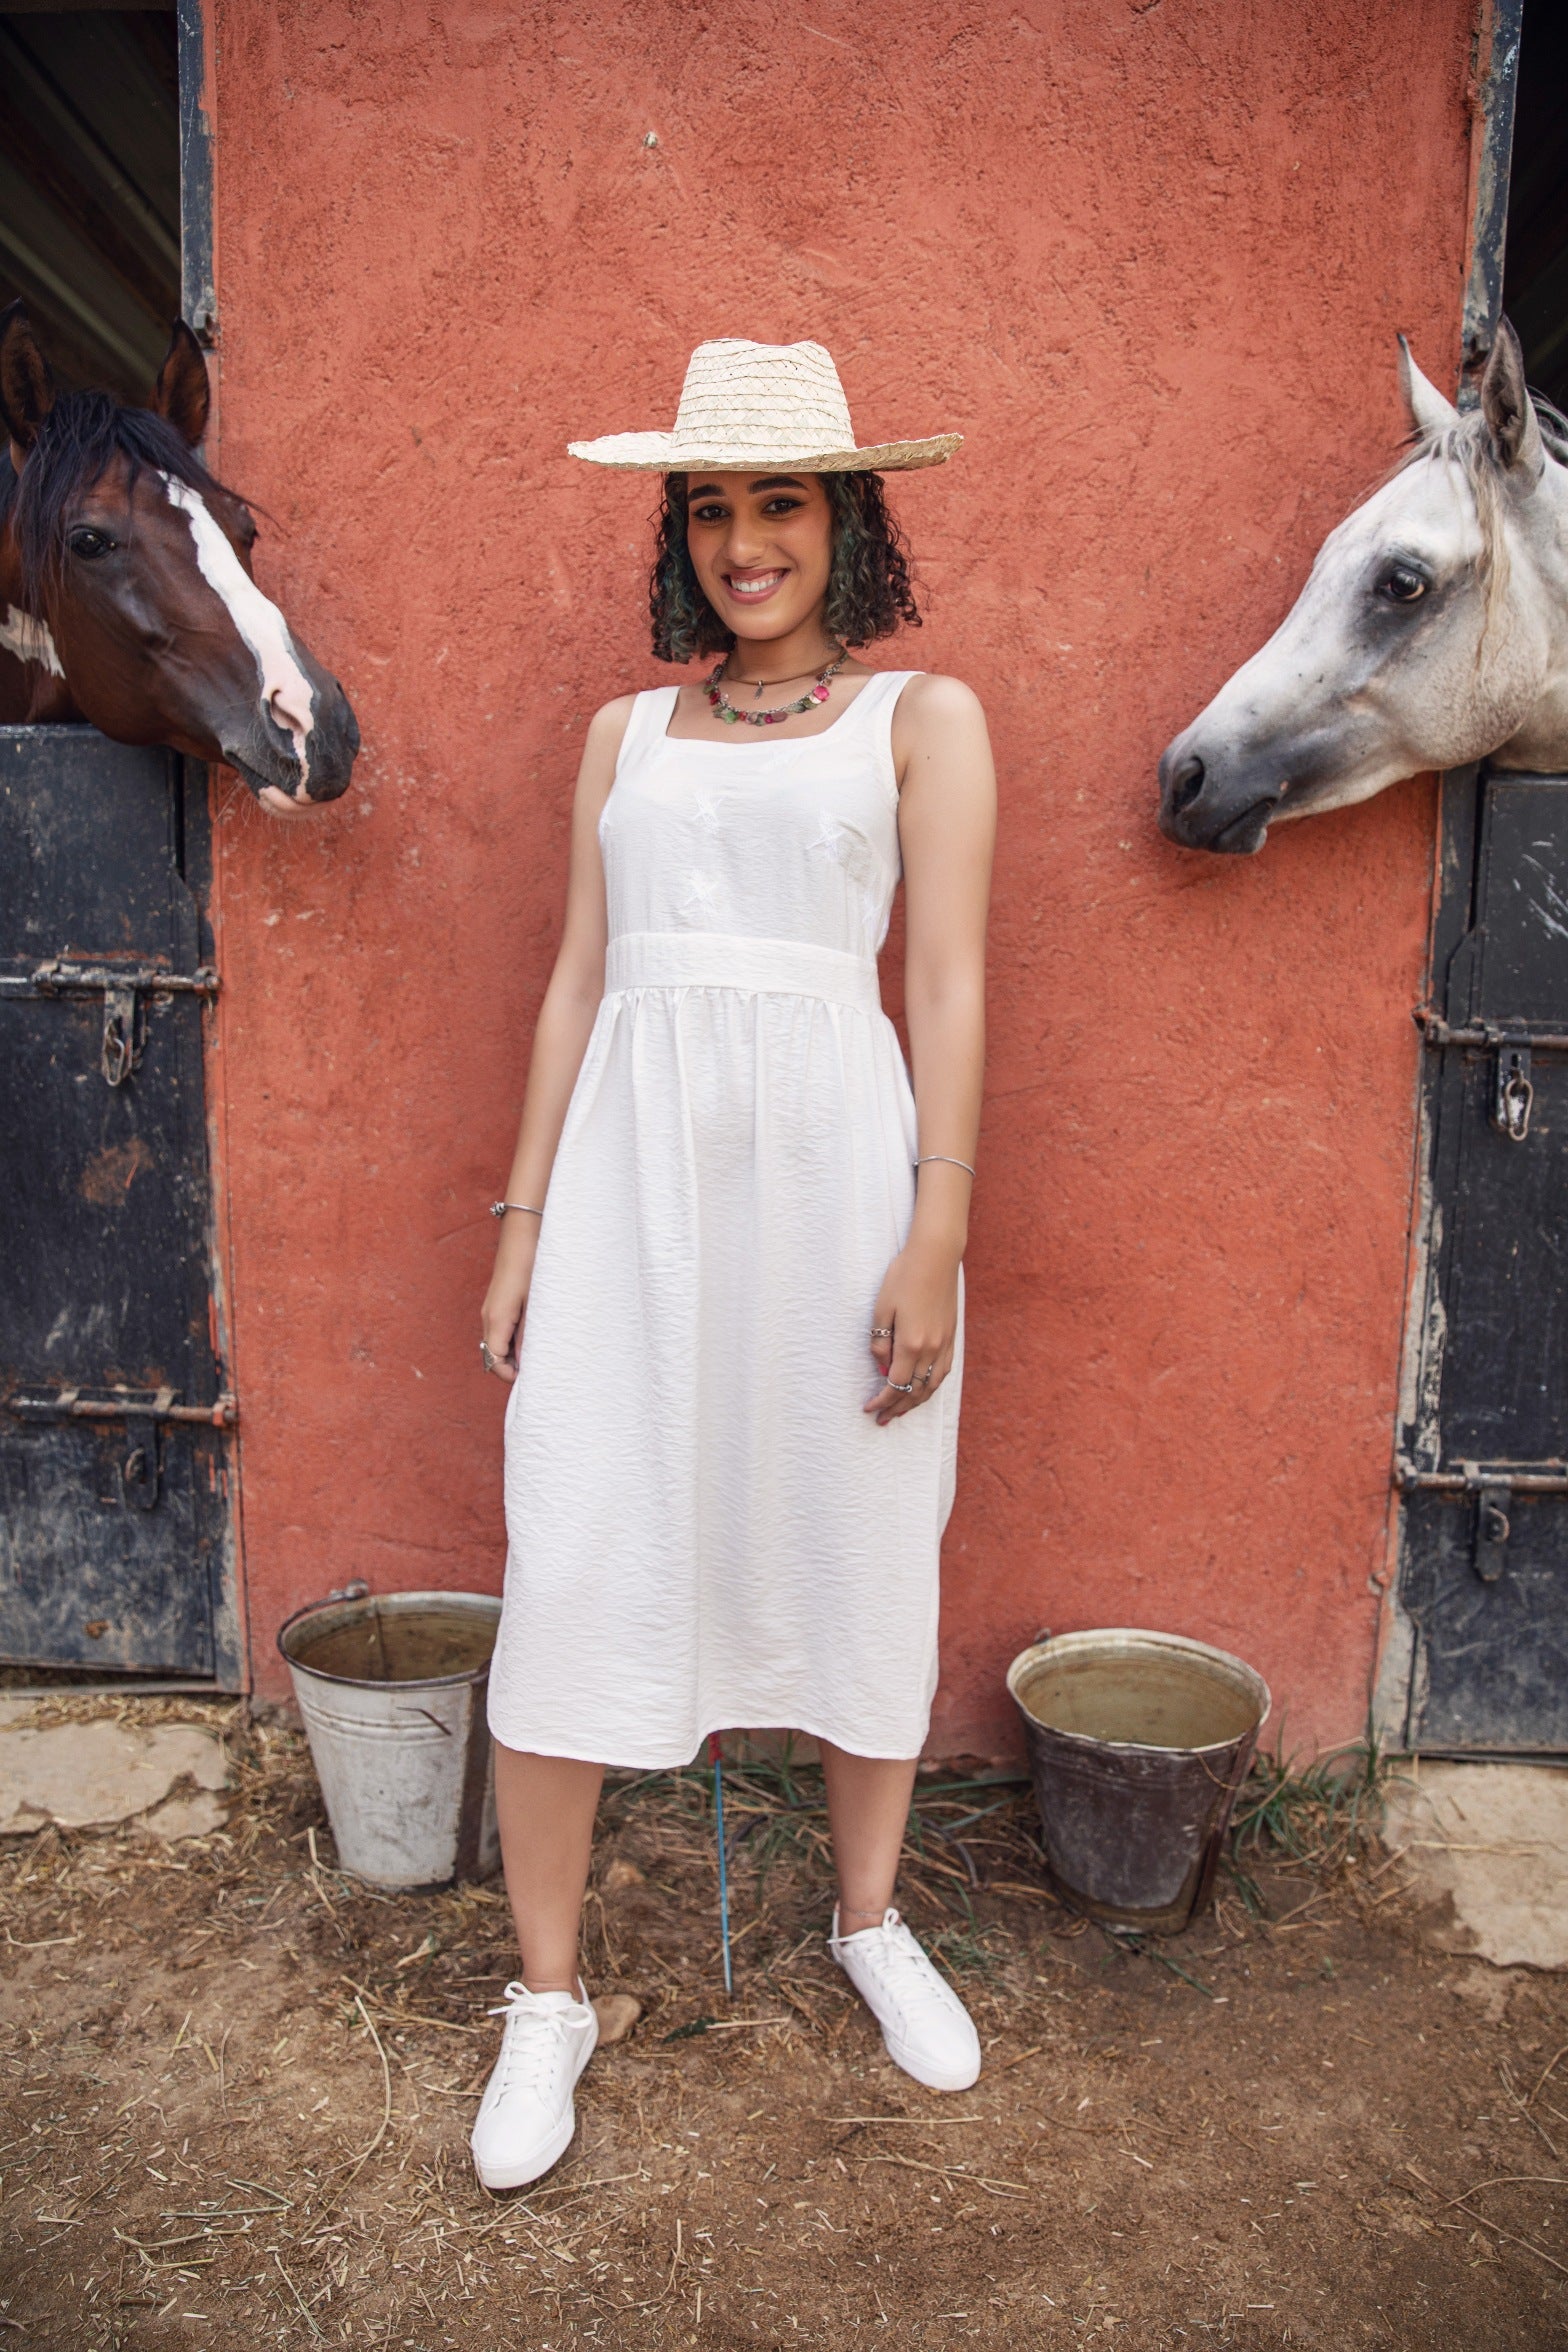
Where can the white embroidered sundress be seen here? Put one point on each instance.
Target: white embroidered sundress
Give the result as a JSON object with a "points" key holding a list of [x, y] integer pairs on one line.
{"points": [[705, 1530]]}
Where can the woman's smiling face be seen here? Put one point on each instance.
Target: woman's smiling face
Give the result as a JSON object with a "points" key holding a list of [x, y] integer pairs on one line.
{"points": [[762, 548]]}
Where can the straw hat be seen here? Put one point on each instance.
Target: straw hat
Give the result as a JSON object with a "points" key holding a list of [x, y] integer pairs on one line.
{"points": [[761, 404]]}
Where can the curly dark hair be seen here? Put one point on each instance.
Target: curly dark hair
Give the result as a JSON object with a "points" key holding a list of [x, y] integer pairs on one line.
{"points": [[870, 593]]}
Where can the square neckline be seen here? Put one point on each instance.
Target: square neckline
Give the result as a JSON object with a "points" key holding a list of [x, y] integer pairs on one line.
{"points": [[771, 741]]}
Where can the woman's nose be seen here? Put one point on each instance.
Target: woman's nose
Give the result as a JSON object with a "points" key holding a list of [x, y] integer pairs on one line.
{"points": [[746, 545]]}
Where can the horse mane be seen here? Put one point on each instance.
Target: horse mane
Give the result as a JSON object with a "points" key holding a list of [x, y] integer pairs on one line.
{"points": [[76, 444]]}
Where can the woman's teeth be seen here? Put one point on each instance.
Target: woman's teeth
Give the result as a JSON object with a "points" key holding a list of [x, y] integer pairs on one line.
{"points": [[757, 587]]}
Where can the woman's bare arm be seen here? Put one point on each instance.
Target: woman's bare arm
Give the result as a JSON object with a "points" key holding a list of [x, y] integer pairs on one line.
{"points": [[947, 829], [561, 1034]]}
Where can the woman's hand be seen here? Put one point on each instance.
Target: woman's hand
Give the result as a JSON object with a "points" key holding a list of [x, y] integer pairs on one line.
{"points": [[501, 1317], [915, 1327]]}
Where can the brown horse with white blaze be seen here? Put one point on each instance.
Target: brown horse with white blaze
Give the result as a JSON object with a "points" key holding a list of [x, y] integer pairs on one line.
{"points": [[126, 593]]}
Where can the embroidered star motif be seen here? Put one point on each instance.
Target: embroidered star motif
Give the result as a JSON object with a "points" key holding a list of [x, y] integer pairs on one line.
{"points": [[830, 839], [706, 813], [702, 892]]}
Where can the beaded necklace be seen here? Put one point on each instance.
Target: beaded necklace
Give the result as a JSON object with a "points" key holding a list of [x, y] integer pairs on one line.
{"points": [[719, 701]]}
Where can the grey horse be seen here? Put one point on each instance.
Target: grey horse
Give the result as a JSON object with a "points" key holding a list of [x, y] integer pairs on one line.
{"points": [[1432, 631]]}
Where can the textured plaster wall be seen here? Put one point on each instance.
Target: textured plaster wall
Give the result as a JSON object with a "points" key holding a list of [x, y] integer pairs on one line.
{"points": [[1151, 259]]}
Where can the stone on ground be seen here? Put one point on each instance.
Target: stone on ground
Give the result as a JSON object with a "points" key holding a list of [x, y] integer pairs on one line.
{"points": [[1493, 1840], [617, 2014], [91, 1775]]}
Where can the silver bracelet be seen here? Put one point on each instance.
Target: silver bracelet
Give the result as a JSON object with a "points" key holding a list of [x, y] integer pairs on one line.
{"points": [[499, 1209], [948, 1161]]}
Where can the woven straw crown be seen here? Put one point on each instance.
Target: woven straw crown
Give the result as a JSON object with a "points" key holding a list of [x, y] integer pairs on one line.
{"points": [[761, 404]]}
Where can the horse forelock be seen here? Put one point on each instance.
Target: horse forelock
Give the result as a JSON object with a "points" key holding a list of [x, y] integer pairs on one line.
{"points": [[76, 444]]}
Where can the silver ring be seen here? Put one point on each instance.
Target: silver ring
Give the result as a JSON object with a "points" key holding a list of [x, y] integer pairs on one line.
{"points": [[924, 1376], [904, 1387], [881, 1330], [486, 1358]]}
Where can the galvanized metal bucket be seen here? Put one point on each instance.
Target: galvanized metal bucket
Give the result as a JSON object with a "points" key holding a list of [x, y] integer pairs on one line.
{"points": [[1137, 1743], [392, 1692]]}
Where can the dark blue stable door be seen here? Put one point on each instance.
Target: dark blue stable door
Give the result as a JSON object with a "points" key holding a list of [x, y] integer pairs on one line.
{"points": [[1484, 1458], [116, 1475]]}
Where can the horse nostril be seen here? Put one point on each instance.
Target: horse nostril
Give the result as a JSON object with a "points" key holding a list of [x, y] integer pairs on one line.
{"points": [[1186, 783]]}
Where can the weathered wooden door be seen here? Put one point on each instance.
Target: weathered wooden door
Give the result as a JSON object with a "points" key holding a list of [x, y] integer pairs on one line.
{"points": [[115, 1472], [1483, 1584]]}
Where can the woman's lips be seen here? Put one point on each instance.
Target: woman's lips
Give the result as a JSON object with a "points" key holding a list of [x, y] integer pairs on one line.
{"points": [[751, 589]]}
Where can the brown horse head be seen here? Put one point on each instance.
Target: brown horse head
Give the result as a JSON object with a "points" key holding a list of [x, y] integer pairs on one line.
{"points": [[126, 593]]}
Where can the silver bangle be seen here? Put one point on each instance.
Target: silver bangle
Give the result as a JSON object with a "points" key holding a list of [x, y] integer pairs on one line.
{"points": [[499, 1209], [947, 1160]]}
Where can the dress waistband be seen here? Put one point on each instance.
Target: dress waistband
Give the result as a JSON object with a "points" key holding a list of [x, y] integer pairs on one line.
{"points": [[766, 967]]}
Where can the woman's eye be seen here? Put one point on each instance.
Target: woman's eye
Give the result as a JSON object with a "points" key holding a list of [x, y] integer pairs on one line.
{"points": [[89, 543], [707, 514], [781, 506], [1400, 585]]}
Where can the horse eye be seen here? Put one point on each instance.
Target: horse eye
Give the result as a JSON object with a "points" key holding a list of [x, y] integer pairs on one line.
{"points": [[89, 543], [1400, 585]]}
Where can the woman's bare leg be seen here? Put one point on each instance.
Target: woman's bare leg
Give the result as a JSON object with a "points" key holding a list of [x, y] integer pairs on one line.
{"points": [[544, 1808], [868, 1806]]}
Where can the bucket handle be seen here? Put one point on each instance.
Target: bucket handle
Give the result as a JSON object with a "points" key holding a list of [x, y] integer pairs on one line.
{"points": [[359, 1590]]}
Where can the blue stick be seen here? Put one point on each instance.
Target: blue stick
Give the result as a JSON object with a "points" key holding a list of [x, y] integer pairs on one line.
{"points": [[724, 1876]]}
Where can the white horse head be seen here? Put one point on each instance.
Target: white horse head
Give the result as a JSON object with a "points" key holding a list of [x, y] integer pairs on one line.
{"points": [[1433, 631]]}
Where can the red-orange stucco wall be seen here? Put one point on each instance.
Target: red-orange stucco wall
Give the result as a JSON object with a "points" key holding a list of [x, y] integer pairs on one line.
{"points": [[1151, 261]]}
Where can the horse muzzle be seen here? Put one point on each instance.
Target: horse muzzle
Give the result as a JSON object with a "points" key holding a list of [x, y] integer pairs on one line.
{"points": [[1205, 804], [306, 772]]}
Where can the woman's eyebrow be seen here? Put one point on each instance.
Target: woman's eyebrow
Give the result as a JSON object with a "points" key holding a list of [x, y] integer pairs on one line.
{"points": [[778, 482], [708, 490]]}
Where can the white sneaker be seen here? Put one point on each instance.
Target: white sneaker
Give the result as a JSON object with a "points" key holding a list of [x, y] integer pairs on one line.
{"points": [[927, 2029], [526, 2118]]}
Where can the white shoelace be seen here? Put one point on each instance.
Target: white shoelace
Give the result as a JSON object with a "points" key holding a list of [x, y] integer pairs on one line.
{"points": [[533, 2040], [902, 1967]]}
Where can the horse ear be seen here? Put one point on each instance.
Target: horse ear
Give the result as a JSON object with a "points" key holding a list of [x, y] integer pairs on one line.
{"points": [[1507, 407], [26, 386], [1432, 413], [182, 393]]}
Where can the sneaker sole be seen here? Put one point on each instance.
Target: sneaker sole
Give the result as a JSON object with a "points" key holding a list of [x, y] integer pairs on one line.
{"points": [[513, 2176], [963, 2079]]}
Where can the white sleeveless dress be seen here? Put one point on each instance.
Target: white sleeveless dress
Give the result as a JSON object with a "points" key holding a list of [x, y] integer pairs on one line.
{"points": [[705, 1530]]}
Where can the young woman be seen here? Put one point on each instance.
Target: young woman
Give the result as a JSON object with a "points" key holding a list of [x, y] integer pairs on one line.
{"points": [[730, 1442]]}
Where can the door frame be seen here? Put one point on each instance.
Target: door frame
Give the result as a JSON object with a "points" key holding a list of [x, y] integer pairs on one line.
{"points": [[199, 309], [1498, 39]]}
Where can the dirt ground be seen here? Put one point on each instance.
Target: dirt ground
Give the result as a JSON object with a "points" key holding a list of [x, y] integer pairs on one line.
{"points": [[239, 2088]]}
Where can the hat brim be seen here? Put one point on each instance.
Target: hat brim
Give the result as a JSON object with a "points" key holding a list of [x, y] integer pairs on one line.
{"points": [[661, 453]]}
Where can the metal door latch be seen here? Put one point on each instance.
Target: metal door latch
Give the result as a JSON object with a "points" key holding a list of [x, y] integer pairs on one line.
{"points": [[142, 1470], [122, 986], [1494, 1504], [1514, 1093], [121, 1045]]}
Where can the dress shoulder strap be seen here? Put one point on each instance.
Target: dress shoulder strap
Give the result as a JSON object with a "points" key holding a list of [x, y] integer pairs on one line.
{"points": [[873, 709], [651, 713]]}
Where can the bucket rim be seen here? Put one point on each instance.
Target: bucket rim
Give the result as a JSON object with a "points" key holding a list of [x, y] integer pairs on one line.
{"points": [[1087, 1637], [481, 1604]]}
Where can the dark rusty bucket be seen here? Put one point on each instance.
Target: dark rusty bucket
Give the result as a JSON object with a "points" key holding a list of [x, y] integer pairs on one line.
{"points": [[1138, 1743]]}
